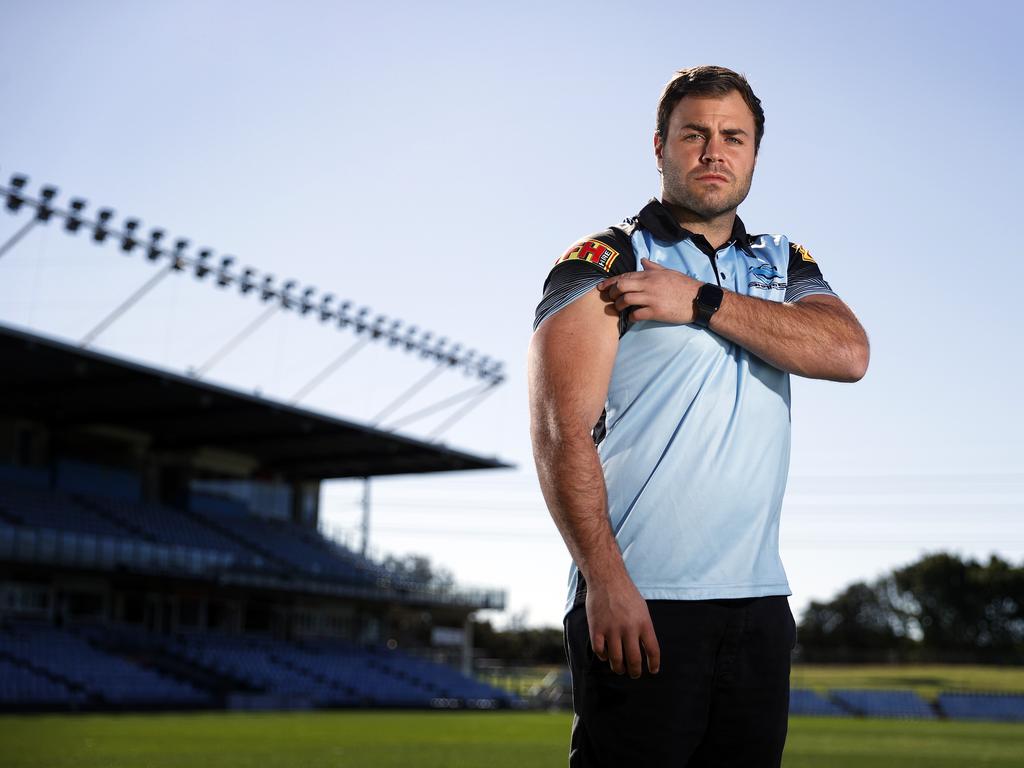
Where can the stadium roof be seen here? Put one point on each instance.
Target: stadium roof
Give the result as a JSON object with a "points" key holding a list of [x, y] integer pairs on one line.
{"points": [[65, 386]]}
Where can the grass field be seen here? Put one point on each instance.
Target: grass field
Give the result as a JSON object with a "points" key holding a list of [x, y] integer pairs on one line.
{"points": [[449, 740], [926, 680]]}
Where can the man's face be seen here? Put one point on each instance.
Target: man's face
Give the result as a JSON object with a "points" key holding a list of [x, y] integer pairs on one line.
{"points": [[707, 159]]}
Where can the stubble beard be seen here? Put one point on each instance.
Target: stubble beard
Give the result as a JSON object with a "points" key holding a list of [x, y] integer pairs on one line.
{"points": [[707, 205]]}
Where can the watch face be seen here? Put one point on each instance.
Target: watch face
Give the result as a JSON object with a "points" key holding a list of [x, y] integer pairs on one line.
{"points": [[710, 296]]}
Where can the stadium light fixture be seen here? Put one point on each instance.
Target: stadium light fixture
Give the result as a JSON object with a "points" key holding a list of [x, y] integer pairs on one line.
{"points": [[409, 342], [343, 317], [287, 302], [248, 281], [128, 241], [267, 291], [202, 264], [437, 352], [43, 208], [360, 319], [100, 229], [326, 313], [73, 218], [307, 299], [377, 329], [154, 251], [223, 276], [14, 197], [178, 254], [393, 336]]}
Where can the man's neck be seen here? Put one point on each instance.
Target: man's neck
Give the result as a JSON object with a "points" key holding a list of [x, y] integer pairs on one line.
{"points": [[716, 230]]}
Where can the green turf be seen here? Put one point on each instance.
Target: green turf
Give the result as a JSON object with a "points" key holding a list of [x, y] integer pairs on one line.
{"points": [[449, 740], [926, 679]]}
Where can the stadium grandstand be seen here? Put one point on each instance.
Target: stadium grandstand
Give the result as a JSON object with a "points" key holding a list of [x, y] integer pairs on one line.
{"points": [[159, 547], [160, 537]]}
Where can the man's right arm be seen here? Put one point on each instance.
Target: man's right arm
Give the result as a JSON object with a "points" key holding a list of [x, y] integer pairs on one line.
{"points": [[570, 365]]}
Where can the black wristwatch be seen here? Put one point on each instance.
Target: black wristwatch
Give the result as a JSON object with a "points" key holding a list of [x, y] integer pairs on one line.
{"points": [[709, 299]]}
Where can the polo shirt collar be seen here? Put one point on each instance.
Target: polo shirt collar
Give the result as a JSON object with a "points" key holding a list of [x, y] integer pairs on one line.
{"points": [[660, 222]]}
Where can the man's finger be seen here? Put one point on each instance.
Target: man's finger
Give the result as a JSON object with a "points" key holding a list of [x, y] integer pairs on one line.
{"points": [[650, 643], [648, 264], [615, 655], [627, 300], [597, 642], [634, 659]]}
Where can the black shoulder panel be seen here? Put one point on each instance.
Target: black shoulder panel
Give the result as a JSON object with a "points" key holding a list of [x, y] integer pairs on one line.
{"points": [[804, 278], [586, 263]]}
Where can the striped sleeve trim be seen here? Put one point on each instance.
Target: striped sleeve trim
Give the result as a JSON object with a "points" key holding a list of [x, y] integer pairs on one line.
{"points": [[808, 287], [564, 295]]}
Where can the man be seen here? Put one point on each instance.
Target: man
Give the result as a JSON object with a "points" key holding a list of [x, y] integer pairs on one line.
{"points": [[675, 334]]}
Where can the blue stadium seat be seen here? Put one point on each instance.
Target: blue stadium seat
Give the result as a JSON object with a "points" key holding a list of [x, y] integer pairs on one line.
{"points": [[77, 664], [983, 706], [883, 703], [803, 701]]}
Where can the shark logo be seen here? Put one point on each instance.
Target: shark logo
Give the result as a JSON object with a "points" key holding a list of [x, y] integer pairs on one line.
{"points": [[766, 274]]}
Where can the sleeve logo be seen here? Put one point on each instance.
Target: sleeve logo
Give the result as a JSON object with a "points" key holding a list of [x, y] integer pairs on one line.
{"points": [[593, 251], [804, 253]]}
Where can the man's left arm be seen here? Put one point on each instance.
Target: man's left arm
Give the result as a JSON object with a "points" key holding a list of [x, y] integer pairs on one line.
{"points": [[816, 336]]}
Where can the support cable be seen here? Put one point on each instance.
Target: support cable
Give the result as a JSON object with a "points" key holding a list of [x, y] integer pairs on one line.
{"points": [[127, 304], [459, 414], [16, 237], [221, 353], [438, 406], [432, 374], [343, 358]]}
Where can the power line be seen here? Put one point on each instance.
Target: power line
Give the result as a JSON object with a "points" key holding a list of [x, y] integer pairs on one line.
{"points": [[881, 542]]}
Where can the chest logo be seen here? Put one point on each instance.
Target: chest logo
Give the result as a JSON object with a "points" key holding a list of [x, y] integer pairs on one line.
{"points": [[593, 251], [766, 277]]}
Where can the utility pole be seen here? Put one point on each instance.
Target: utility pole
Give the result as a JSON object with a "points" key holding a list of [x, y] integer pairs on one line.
{"points": [[366, 515]]}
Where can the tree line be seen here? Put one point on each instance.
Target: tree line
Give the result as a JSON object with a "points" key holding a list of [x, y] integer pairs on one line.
{"points": [[940, 608]]}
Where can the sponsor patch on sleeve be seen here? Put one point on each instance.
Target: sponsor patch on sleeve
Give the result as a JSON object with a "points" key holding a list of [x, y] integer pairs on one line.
{"points": [[804, 253], [593, 251]]}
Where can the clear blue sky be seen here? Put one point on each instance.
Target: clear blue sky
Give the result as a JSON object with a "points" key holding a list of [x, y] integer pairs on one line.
{"points": [[432, 160]]}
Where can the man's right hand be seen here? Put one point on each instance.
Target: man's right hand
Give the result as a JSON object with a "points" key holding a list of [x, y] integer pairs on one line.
{"points": [[621, 630]]}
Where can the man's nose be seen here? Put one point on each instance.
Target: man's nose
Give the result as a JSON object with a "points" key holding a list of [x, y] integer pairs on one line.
{"points": [[712, 151]]}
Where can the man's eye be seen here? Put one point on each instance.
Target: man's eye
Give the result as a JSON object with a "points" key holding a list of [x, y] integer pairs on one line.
{"points": [[692, 136], [733, 139]]}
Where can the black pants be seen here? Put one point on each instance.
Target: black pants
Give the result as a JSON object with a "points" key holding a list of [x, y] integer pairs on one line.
{"points": [[721, 697]]}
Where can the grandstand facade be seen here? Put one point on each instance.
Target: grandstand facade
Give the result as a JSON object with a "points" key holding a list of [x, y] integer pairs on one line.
{"points": [[160, 548]]}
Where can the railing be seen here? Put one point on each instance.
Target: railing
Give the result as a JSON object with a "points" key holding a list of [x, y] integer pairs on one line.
{"points": [[476, 599], [55, 547], [45, 545]]}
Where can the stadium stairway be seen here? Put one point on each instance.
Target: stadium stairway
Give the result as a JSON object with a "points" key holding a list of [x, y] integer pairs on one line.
{"points": [[101, 678], [152, 651], [25, 688], [803, 701]]}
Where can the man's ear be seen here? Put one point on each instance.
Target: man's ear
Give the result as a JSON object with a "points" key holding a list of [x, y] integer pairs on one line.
{"points": [[658, 148]]}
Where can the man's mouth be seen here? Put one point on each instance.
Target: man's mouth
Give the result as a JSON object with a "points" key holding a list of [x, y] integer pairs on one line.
{"points": [[713, 177]]}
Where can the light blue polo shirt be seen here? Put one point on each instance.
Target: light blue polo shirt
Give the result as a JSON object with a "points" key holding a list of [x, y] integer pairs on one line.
{"points": [[696, 432]]}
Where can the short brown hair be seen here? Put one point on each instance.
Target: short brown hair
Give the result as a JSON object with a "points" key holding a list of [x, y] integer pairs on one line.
{"points": [[707, 80]]}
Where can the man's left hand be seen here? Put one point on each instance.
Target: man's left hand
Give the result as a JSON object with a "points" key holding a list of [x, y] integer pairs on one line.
{"points": [[656, 293]]}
